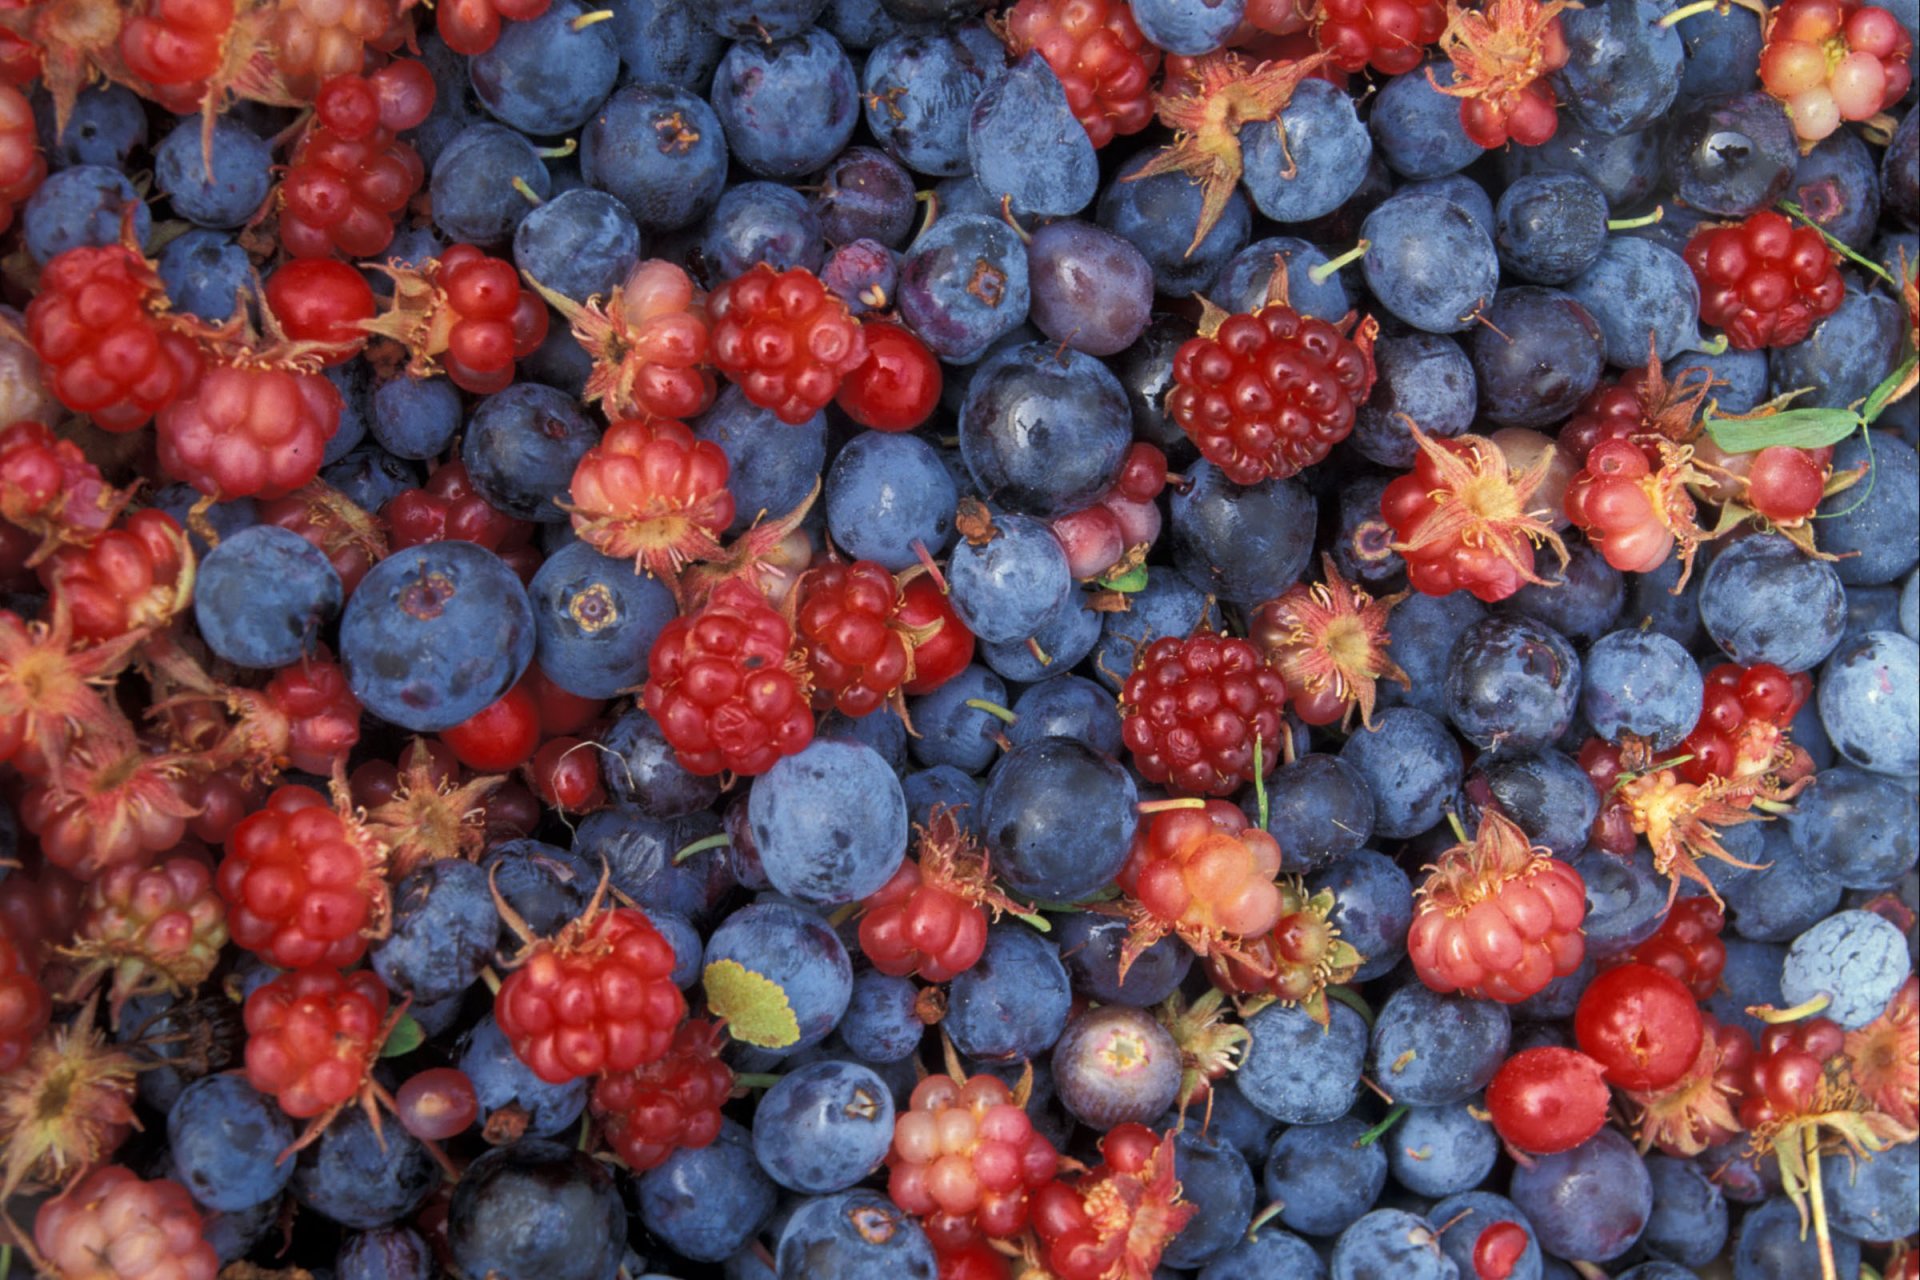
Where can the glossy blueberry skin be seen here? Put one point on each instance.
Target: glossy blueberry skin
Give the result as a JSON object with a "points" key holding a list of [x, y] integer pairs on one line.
{"points": [[1005, 589], [1877, 1199], [788, 106], [1372, 908], [830, 823], [866, 195], [546, 884], [1771, 1246], [1537, 357], [823, 1127], [1024, 143], [369, 476], [1417, 128], [262, 596], [242, 173], [1299, 1073], [1058, 817], [1855, 958], [500, 1080], [445, 928], [864, 274], [638, 766], [1762, 601], [1323, 161], [1246, 281], [204, 272], [1158, 215], [1457, 1044], [772, 464], [474, 199], [1641, 683], [1242, 544], [1013, 1004], [1426, 376], [1270, 1253], [1844, 357], [80, 206], [1065, 636], [1092, 289], [1214, 1176], [385, 1253], [1626, 900], [1545, 793], [1324, 1176], [796, 951], [596, 621], [666, 42], [1391, 1242], [640, 856], [546, 75], [953, 733], [1319, 809], [660, 151], [225, 1141], [1860, 828], [1067, 706], [362, 1179], [1722, 54], [1044, 431], [1090, 948], [880, 1024], [1591, 1202], [942, 786], [107, 124], [706, 1204], [521, 448], [1731, 156], [1901, 189], [1634, 289], [1871, 529], [1441, 1151], [1513, 685], [856, 1235], [1626, 167], [1412, 766], [1623, 68], [964, 284], [1549, 227], [580, 243], [919, 88], [1423, 632], [1189, 27], [537, 1208], [1431, 264], [1689, 1220]]}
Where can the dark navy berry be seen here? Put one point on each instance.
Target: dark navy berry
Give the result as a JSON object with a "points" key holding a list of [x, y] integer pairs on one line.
{"points": [[537, 1208], [1013, 1003], [788, 106], [1430, 1049], [1024, 143], [474, 197], [1044, 431], [1058, 817], [545, 76], [1763, 601], [660, 151], [595, 619], [262, 596], [223, 194], [1324, 1176], [225, 1141]]}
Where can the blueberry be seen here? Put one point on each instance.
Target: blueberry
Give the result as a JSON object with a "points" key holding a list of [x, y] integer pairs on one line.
{"points": [[1067, 706], [1869, 697], [507, 1088], [950, 731], [1626, 900], [360, 1178], [659, 150], [830, 823], [1116, 1065], [1213, 1176], [1878, 1198], [1641, 683], [1320, 809], [866, 195], [80, 206], [241, 173], [105, 126], [963, 284], [1169, 606], [1589, 1203], [1312, 289], [639, 767], [1858, 828], [434, 634], [788, 105], [1063, 637], [1763, 601], [1090, 947], [370, 477], [1092, 290], [1441, 1151], [919, 89], [1430, 1049], [1626, 167], [1013, 1003], [1411, 765], [1155, 213], [1731, 156], [206, 273], [1773, 1245], [415, 418], [1372, 908], [864, 274], [443, 932], [1189, 27], [1870, 526], [1549, 227], [643, 859], [707, 1203], [797, 952], [580, 243], [1469, 1213], [1242, 544], [1268, 1254], [1637, 290], [1417, 128], [1845, 356], [1324, 1176], [856, 1235], [823, 1127], [1043, 430], [1023, 142], [226, 1142], [1836, 185], [880, 1024], [1539, 354], [1007, 586], [1391, 1242], [1723, 54], [773, 464], [1688, 1224], [1313, 162], [666, 42], [262, 596], [1299, 1072], [1856, 959], [537, 1208], [474, 199], [1430, 263], [1424, 376], [1623, 66], [521, 448], [596, 620], [545, 884], [1058, 817], [546, 75]]}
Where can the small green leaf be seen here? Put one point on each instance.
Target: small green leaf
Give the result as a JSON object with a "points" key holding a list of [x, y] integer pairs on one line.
{"points": [[1880, 396], [756, 1009], [1134, 579], [1798, 428], [407, 1036], [1033, 920]]}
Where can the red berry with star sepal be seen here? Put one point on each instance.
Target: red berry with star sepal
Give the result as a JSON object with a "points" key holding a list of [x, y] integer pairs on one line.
{"points": [[1502, 55], [1103, 61], [966, 1158], [313, 1036], [1463, 518], [724, 688], [150, 930], [112, 1226], [323, 716], [1548, 1099], [651, 493], [784, 339], [596, 998], [1391, 36], [1699, 1110], [1193, 708], [1329, 642], [897, 387], [304, 885], [1118, 1219], [942, 646], [1640, 1024], [1204, 874], [848, 633], [670, 1105], [1744, 713], [49, 488], [1830, 61], [930, 917], [1765, 281], [464, 313], [1687, 946], [343, 190], [1497, 917], [1885, 1057], [134, 577]]}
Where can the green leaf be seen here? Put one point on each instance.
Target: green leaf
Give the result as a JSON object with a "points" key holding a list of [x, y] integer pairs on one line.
{"points": [[407, 1035], [1798, 428], [1134, 579], [1881, 395], [756, 1009]]}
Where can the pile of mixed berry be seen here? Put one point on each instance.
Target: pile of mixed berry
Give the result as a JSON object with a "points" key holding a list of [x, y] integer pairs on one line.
{"points": [[959, 640]]}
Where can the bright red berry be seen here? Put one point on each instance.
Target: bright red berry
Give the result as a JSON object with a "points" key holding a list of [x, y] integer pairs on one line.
{"points": [[1103, 61], [1687, 946], [1640, 1024], [566, 775], [1497, 918], [1699, 1109], [1391, 36], [1831, 61], [448, 508], [151, 929], [500, 736], [313, 1036], [466, 313], [1744, 713], [22, 167], [1463, 518], [178, 45], [1193, 708], [24, 1007], [596, 999], [1117, 1220], [930, 917], [1548, 1099], [1765, 281], [113, 1226], [1501, 56], [1295, 961], [98, 328], [649, 492], [943, 646], [1789, 1066], [848, 633], [1329, 642], [249, 432], [1267, 394], [723, 689], [136, 576], [1205, 875], [1497, 1250], [897, 387], [304, 885], [471, 27], [649, 345], [49, 488], [342, 193], [673, 1104], [321, 300], [966, 1158], [785, 339]]}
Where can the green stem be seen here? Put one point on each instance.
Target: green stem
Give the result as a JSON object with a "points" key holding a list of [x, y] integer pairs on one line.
{"points": [[1839, 246], [993, 709], [586, 20], [757, 1079], [527, 193], [1320, 274], [1644, 220], [1459, 832], [1379, 1131], [1686, 11], [560, 152], [718, 840], [1259, 781], [1714, 346]]}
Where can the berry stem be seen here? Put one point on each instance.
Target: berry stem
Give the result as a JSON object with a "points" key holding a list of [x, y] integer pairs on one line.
{"points": [[993, 709], [925, 557], [1264, 1216], [718, 840], [1633, 224], [1039, 655], [1320, 274], [1815, 1192], [1459, 832], [527, 193], [1167, 806], [586, 20], [1793, 1013], [1715, 346], [1686, 11], [1260, 779], [1839, 246], [492, 979], [1379, 1131], [560, 152], [757, 1079]]}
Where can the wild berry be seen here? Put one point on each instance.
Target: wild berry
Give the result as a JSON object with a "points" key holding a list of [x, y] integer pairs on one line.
{"points": [[352, 539], [1390, 36], [419, 809], [342, 193], [114, 800], [22, 167], [1463, 518], [113, 1226], [897, 387], [1687, 946], [150, 929], [1295, 960], [670, 1105], [784, 339], [649, 492], [1640, 1024], [966, 1158], [1193, 709], [1885, 1057], [317, 43], [472, 27], [466, 313], [322, 302], [447, 508], [942, 645], [1114, 1223], [648, 342], [1203, 873], [1700, 1109], [930, 917], [1788, 1073], [304, 885], [51, 489], [313, 1036], [1502, 56], [135, 577], [48, 687], [24, 1007], [1329, 642], [1765, 281], [1831, 61], [65, 1109], [1548, 1099], [1103, 62], [847, 630], [249, 430], [177, 46], [1497, 918], [566, 775], [436, 1104]]}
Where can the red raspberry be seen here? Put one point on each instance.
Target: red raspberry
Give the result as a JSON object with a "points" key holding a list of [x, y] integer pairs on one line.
{"points": [[397, 97], [1296, 960], [1687, 946], [177, 46], [648, 341], [1391, 36], [51, 489], [723, 689], [24, 1007], [1462, 518], [1502, 55], [447, 508], [1193, 709], [249, 432], [930, 917], [322, 714], [1744, 712], [96, 325], [856, 651], [1831, 61], [1765, 281], [1788, 1068], [22, 167], [1267, 394], [649, 492], [470, 27], [943, 646], [313, 1036], [114, 800], [784, 339], [1886, 1057], [1118, 1219], [1497, 917], [1205, 874], [1782, 484], [313, 40], [304, 886], [1698, 1110], [966, 1159], [352, 540], [152, 929], [1110, 536], [674, 1104], [136, 577], [341, 195], [113, 1226], [596, 999], [1103, 61], [466, 311], [1329, 642], [321, 301]]}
